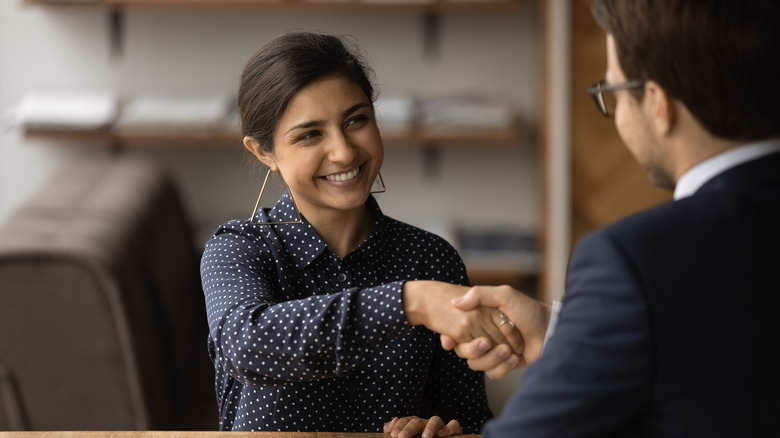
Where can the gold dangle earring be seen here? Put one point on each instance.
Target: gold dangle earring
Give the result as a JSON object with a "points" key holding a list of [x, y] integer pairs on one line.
{"points": [[381, 181], [257, 204]]}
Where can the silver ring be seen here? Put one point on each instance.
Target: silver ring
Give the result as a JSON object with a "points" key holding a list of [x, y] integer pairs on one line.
{"points": [[505, 320]]}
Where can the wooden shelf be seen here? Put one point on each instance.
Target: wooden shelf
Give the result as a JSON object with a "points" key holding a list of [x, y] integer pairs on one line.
{"points": [[454, 136], [423, 5], [224, 137], [522, 281], [229, 137], [136, 138]]}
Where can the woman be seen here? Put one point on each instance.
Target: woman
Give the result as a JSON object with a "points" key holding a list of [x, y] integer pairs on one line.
{"points": [[318, 307]]}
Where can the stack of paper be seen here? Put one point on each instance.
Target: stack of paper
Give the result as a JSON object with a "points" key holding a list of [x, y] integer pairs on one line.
{"points": [[168, 112], [396, 113], [465, 111], [67, 109]]}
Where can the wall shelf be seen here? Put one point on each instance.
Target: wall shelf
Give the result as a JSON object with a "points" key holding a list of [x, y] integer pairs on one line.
{"points": [[428, 138], [217, 137], [418, 5]]}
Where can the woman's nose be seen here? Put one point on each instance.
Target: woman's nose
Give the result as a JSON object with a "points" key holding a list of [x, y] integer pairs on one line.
{"points": [[341, 149]]}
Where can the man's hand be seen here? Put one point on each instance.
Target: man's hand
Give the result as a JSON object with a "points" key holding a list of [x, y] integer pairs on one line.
{"points": [[497, 361], [529, 316], [430, 303]]}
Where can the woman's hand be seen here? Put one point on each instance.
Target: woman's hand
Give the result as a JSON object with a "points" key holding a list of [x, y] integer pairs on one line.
{"points": [[407, 427], [429, 303]]}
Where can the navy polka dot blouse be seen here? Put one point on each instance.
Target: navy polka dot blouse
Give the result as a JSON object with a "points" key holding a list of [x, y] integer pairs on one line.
{"points": [[304, 341]]}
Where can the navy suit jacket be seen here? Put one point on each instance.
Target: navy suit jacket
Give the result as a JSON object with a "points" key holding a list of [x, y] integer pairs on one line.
{"points": [[670, 324]]}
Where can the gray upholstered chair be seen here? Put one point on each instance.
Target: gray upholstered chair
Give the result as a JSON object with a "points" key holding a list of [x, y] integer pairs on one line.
{"points": [[102, 320]]}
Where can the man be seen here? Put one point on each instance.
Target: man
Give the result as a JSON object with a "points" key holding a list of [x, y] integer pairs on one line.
{"points": [[667, 327]]}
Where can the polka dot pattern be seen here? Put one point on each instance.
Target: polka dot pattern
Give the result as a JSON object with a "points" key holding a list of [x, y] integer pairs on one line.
{"points": [[305, 341]]}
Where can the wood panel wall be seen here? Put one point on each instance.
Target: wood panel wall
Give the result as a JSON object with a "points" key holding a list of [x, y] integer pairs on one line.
{"points": [[607, 183]]}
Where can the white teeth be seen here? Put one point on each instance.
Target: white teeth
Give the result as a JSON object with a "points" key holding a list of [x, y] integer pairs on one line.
{"points": [[343, 176]]}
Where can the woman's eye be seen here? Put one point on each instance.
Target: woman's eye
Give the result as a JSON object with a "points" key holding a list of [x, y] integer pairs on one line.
{"points": [[307, 136], [360, 118]]}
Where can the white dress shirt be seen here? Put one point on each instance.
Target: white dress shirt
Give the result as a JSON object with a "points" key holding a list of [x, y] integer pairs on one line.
{"points": [[699, 174]]}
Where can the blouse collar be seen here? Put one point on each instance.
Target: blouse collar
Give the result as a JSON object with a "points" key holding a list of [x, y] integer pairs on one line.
{"points": [[302, 241]]}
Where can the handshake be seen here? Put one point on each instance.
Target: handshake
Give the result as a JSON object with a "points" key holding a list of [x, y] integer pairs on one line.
{"points": [[496, 328]]}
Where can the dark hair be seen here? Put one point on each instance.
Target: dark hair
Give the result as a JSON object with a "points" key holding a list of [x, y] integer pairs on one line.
{"points": [[718, 57], [283, 67]]}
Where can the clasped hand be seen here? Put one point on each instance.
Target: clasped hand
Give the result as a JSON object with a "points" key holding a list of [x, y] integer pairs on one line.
{"points": [[430, 303], [529, 319]]}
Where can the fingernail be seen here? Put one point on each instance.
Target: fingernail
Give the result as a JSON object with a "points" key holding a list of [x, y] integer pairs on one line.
{"points": [[483, 345], [503, 353], [456, 301], [427, 434], [513, 361]]}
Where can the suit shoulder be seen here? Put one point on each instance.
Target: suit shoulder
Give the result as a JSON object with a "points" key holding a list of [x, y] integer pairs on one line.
{"points": [[662, 220]]}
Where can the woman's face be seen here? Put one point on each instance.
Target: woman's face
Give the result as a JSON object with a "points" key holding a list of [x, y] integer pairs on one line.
{"points": [[327, 147]]}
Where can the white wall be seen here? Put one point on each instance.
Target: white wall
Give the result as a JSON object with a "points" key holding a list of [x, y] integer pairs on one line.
{"points": [[202, 52]]}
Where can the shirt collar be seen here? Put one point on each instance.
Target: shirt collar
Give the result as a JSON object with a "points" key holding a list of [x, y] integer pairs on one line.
{"points": [[302, 241], [699, 174]]}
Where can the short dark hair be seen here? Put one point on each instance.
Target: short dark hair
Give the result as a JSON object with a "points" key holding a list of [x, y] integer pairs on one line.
{"points": [[284, 66], [718, 57]]}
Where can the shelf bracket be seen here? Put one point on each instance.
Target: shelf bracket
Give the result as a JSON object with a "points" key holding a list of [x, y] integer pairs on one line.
{"points": [[431, 162], [431, 34], [116, 21]]}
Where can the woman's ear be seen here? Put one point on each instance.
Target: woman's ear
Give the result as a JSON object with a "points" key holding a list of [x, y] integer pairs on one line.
{"points": [[266, 158], [660, 107]]}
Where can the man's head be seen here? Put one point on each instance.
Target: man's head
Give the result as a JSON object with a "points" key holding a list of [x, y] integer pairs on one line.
{"points": [[720, 58], [715, 61]]}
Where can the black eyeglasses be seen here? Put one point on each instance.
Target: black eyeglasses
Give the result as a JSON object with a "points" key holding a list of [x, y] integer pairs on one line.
{"points": [[605, 102]]}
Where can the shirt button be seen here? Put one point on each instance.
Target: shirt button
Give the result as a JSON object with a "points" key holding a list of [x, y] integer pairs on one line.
{"points": [[341, 277]]}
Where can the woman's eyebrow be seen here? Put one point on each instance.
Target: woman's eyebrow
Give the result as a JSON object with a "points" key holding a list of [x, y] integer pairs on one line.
{"points": [[305, 125], [354, 108]]}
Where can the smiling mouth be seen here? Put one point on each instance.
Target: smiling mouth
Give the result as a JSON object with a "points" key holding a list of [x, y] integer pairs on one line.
{"points": [[346, 176]]}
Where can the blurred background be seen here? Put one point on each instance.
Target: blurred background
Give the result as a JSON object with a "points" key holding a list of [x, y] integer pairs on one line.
{"points": [[490, 140]]}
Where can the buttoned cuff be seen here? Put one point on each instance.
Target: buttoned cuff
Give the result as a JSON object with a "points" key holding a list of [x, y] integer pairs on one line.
{"points": [[556, 310]]}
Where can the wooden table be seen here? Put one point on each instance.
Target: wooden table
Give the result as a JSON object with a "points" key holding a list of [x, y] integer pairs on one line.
{"points": [[186, 434]]}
